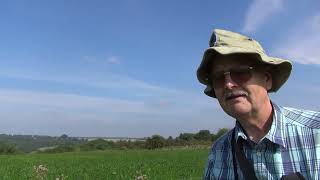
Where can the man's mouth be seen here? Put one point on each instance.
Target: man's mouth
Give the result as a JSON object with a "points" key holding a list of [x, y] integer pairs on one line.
{"points": [[235, 94]]}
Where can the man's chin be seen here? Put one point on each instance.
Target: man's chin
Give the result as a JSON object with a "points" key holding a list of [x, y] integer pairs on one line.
{"points": [[238, 110]]}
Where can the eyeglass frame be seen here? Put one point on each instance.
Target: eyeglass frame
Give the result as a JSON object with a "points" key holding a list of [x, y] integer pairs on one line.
{"points": [[223, 74]]}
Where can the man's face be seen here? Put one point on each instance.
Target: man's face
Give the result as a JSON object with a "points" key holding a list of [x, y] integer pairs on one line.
{"points": [[240, 85]]}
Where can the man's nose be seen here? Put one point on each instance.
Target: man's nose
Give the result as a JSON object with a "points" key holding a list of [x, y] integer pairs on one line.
{"points": [[229, 83]]}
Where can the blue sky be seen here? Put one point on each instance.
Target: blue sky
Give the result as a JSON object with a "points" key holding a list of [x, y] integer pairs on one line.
{"points": [[127, 68]]}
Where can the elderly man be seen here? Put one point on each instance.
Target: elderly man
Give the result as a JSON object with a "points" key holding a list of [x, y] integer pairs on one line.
{"points": [[268, 141]]}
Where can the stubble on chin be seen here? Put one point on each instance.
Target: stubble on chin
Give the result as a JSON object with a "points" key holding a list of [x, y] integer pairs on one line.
{"points": [[237, 111]]}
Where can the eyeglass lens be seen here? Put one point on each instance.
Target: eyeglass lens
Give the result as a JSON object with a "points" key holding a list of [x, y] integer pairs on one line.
{"points": [[239, 75]]}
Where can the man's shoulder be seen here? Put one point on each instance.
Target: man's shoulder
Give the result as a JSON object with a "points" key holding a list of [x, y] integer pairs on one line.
{"points": [[223, 142], [301, 117]]}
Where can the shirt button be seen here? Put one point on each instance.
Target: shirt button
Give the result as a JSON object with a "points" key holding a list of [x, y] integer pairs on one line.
{"points": [[259, 151]]}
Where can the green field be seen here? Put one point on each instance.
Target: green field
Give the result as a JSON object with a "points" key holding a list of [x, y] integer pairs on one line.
{"points": [[121, 164]]}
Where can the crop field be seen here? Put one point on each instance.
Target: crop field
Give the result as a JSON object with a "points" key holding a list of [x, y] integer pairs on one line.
{"points": [[113, 165]]}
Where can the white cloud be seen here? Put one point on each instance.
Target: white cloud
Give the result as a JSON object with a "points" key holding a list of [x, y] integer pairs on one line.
{"points": [[89, 59], [57, 113], [93, 80], [72, 102], [110, 59], [149, 98], [154, 108], [259, 12], [302, 43], [113, 60], [68, 101]]}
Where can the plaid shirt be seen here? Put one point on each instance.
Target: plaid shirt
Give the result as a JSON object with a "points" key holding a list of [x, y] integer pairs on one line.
{"points": [[291, 145]]}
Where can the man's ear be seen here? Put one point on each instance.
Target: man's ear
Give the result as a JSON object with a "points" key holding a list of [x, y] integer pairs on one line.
{"points": [[268, 80]]}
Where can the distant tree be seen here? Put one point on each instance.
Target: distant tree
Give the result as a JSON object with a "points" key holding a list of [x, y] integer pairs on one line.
{"points": [[8, 149], [97, 144], [219, 133], [156, 141], [170, 141], [139, 144], [64, 136], [123, 144], [203, 135], [222, 131], [60, 149], [186, 136]]}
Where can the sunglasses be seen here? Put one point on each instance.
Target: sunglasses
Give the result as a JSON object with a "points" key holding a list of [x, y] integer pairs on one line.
{"points": [[239, 75]]}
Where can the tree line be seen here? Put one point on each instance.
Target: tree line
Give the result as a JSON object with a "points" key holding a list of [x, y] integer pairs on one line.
{"points": [[203, 138]]}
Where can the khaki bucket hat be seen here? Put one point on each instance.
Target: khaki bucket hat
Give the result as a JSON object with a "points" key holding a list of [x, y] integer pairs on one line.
{"points": [[223, 42]]}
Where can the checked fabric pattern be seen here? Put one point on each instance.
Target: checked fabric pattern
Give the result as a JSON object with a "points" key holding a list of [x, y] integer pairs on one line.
{"points": [[291, 145]]}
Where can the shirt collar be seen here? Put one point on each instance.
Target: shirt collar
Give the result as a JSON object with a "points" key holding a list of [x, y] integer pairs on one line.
{"points": [[277, 131], [239, 132]]}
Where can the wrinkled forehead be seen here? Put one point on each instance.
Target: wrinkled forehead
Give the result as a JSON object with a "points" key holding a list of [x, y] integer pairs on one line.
{"points": [[231, 61]]}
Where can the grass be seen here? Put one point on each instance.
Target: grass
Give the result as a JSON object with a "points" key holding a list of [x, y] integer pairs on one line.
{"points": [[121, 164]]}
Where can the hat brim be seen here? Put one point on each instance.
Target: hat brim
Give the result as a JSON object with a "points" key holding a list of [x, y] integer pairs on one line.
{"points": [[280, 69]]}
